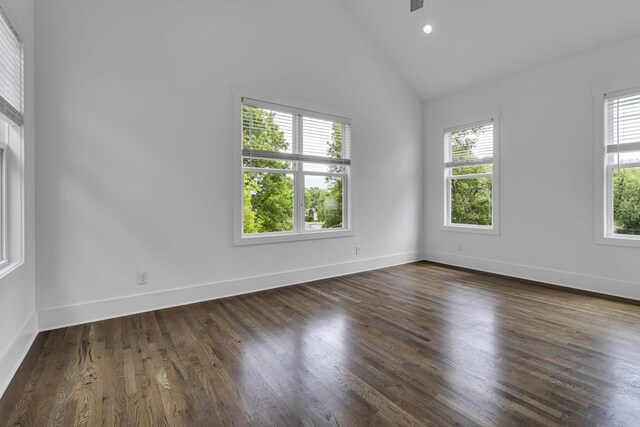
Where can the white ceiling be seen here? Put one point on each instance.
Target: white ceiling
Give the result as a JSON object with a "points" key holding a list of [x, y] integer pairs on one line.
{"points": [[476, 41]]}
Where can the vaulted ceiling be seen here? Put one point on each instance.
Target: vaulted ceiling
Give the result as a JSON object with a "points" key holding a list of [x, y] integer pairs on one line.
{"points": [[476, 41]]}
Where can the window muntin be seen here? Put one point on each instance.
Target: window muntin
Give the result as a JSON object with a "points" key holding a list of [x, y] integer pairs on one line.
{"points": [[296, 166], [622, 163], [469, 175]]}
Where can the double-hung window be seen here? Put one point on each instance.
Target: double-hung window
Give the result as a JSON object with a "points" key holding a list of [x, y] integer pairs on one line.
{"points": [[296, 167], [470, 175], [622, 164], [11, 153]]}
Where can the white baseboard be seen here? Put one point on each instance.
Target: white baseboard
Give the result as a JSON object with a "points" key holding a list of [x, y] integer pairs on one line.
{"points": [[17, 351], [601, 285], [58, 317]]}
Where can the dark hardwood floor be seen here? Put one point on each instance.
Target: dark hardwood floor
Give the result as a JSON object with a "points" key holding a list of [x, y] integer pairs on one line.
{"points": [[418, 344]]}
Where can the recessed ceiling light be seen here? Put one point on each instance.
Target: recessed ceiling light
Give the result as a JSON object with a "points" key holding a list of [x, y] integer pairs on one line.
{"points": [[427, 29]]}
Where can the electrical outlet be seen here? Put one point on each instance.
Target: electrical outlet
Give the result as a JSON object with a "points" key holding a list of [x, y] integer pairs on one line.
{"points": [[143, 277], [460, 248], [357, 250]]}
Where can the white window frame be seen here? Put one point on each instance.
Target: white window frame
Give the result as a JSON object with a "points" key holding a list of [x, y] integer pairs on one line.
{"points": [[12, 197], [464, 123], [310, 109], [603, 176]]}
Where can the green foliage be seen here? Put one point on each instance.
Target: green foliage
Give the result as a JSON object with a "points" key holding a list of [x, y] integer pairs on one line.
{"points": [[271, 200], [626, 201], [471, 199], [333, 200], [250, 220], [333, 205]]}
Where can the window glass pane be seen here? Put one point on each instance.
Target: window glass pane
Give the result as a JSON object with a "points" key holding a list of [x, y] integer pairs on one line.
{"points": [[250, 162], [322, 138], [471, 201], [322, 202], [626, 201], [266, 130], [472, 170], [268, 202]]}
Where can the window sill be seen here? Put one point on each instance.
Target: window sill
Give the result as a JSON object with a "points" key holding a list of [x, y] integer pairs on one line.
{"points": [[472, 229], [619, 240], [290, 237], [7, 267]]}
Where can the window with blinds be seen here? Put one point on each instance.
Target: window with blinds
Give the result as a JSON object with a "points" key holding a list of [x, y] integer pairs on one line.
{"points": [[622, 141], [11, 144], [296, 167], [469, 175], [11, 72]]}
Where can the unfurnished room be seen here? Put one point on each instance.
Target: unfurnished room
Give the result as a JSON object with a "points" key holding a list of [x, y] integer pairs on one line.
{"points": [[319, 213]]}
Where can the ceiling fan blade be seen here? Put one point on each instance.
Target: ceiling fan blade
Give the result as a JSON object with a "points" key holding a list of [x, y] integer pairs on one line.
{"points": [[416, 4]]}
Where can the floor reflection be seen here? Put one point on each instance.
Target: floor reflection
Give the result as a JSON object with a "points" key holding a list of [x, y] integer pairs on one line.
{"points": [[473, 353], [297, 362], [472, 343]]}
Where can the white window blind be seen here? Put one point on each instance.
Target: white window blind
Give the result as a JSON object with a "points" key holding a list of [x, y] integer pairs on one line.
{"points": [[11, 71], [622, 128], [305, 136], [473, 145]]}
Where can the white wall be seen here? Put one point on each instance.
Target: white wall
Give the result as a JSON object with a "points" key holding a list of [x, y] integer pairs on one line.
{"points": [[17, 288], [135, 147], [547, 176]]}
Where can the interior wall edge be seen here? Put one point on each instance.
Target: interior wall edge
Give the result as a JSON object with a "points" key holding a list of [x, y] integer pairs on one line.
{"points": [[58, 317], [566, 279], [17, 351]]}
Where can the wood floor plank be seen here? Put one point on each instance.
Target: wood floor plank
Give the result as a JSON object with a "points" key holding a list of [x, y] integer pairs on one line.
{"points": [[418, 344]]}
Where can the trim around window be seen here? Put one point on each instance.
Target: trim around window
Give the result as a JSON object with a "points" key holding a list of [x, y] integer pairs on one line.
{"points": [[12, 149], [295, 159], [291, 237], [449, 165], [603, 172], [12, 234]]}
